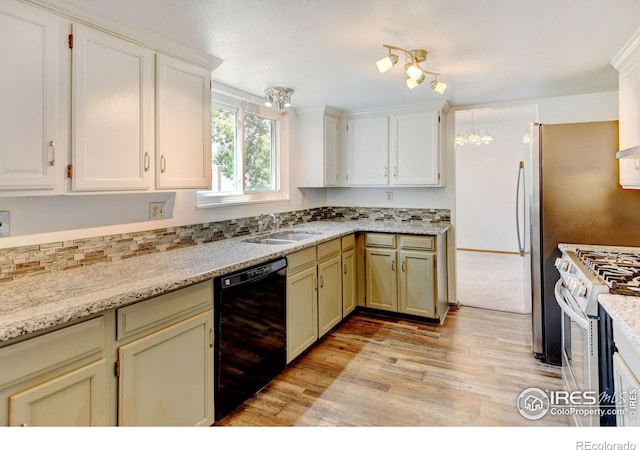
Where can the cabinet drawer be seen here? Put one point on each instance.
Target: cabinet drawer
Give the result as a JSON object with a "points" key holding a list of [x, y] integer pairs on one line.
{"points": [[163, 310], [626, 350], [348, 242], [51, 350], [328, 249], [380, 240], [301, 260], [410, 242]]}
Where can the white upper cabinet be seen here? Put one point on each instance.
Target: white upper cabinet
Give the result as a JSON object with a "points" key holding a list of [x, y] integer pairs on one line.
{"points": [[368, 148], [396, 147], [319, 163], [183, 128], [627, 62], [415, 149], [33, 80], [112, 112]]}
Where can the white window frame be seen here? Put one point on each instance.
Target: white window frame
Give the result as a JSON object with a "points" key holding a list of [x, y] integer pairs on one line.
{"points": [[251, 105]]}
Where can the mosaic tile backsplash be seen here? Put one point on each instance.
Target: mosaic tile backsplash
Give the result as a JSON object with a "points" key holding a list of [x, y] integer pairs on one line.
{"points": [[44, 258]]}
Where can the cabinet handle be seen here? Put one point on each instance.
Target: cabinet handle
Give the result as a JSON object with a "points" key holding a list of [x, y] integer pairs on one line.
{"points": [[393, 265], [395, 172], [210, 337], [385, 171], [345, 269], [403, 266], [321, 281], [147, 161], [23, 424], [163, 164], [52, 153]]}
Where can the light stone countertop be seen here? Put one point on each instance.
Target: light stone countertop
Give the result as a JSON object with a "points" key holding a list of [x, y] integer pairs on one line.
{"points": [[33, 304], [625, 312]]}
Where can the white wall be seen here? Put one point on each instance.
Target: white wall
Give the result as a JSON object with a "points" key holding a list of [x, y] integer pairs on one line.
{"points": [[486, 189]]}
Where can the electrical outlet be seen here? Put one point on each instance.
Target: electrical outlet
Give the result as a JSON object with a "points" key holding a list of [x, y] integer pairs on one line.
{"points": [[389, 196], [156, 210], [4, 223]]}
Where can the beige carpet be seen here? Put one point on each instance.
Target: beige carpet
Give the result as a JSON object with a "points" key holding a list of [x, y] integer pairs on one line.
{"points": [[491, 281]]}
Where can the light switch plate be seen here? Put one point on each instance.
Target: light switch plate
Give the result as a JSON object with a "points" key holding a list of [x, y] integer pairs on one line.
{"points": [[4, 223]]}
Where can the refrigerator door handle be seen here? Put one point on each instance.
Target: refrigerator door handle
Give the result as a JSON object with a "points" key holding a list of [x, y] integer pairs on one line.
{"points": [[520, 238]]}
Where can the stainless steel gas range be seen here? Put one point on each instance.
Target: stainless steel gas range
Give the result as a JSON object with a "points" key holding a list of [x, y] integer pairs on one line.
{"points": [[586, 272]]}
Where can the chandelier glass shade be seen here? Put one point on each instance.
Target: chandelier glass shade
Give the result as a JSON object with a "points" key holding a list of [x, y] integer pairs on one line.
{"points": [[473, 137], [280, 97], [414, 72]]}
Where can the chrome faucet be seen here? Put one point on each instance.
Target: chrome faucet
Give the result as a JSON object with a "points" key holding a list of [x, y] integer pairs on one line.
{"points": [[264, 223]]}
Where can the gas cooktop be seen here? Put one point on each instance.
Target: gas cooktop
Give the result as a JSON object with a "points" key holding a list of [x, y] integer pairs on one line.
{"points": [[620, 271]]}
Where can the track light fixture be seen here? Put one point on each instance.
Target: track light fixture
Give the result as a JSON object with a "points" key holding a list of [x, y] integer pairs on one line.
{"points": [[280, 97], [415, 74]]}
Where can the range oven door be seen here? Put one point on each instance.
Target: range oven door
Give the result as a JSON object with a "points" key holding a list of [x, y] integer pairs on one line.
{"points": [[579, 351]]}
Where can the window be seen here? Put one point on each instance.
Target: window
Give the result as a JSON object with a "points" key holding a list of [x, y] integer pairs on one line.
{"points": [[247, 155]]}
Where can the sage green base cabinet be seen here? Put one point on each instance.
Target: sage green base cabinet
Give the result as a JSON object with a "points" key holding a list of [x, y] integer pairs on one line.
{"points": [[329, 285], [406, 274], [302, 302], [165, 359], [149, 363], [319, 279], [58, 379], [626, 376], [349, 275]]}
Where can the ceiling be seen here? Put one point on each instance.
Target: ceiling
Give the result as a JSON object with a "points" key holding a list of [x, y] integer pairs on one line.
{"points": [[487, 50]]}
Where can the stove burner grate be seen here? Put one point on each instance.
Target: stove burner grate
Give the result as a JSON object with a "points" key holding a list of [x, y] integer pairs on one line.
{"points": [[620, 272]]}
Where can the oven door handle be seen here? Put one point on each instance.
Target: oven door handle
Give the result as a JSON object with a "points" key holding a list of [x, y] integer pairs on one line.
{"points": [[567, 308]]}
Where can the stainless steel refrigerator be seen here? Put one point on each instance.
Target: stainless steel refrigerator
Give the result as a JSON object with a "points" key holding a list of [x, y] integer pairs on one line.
{"points": [[574, 197]]}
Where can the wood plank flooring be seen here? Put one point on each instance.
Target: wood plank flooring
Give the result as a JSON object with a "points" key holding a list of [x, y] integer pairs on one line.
{"points": [[379, 371]]}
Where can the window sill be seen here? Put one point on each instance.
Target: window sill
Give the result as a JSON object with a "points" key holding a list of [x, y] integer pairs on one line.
{"points": [[210, 201]]}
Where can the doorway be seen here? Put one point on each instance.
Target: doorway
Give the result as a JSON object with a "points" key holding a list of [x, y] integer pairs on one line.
{"points": [[489, 268]]}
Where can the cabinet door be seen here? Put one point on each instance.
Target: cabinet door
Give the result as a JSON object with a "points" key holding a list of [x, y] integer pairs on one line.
{"points": [[329, 294], [184, 125], [302, 312], [112, 112], [166, 378], [381, 285], [349, 296], [627, 387], [415, 149], [629, 98], [368, 151], [417, 283], [77, 398], [32, 98], [330, 151]]}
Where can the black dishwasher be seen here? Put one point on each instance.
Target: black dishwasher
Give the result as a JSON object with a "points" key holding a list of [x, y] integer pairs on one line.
{"points": [[250, 332]]}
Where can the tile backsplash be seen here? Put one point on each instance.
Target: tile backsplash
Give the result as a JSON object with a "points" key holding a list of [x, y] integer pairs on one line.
{"points": [[64, 255]]}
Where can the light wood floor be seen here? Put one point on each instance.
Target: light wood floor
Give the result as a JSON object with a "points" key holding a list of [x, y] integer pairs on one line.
{"points": [[376, 371]]}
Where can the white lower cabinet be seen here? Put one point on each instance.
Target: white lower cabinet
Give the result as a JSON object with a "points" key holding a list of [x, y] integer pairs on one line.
{"points": [[165, 359], [626, 376], [403, 274], [57, 379]]}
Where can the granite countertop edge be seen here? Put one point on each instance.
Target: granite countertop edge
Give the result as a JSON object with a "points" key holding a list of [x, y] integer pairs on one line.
{"points": [[35, 304]]}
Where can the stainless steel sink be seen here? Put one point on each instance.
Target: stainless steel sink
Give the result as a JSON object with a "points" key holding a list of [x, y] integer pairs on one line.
{"points": [[283, 237]]}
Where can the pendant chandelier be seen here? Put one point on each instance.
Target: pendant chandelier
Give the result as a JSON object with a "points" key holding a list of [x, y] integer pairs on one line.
{"points": [[280, 97], [473, 137]]}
